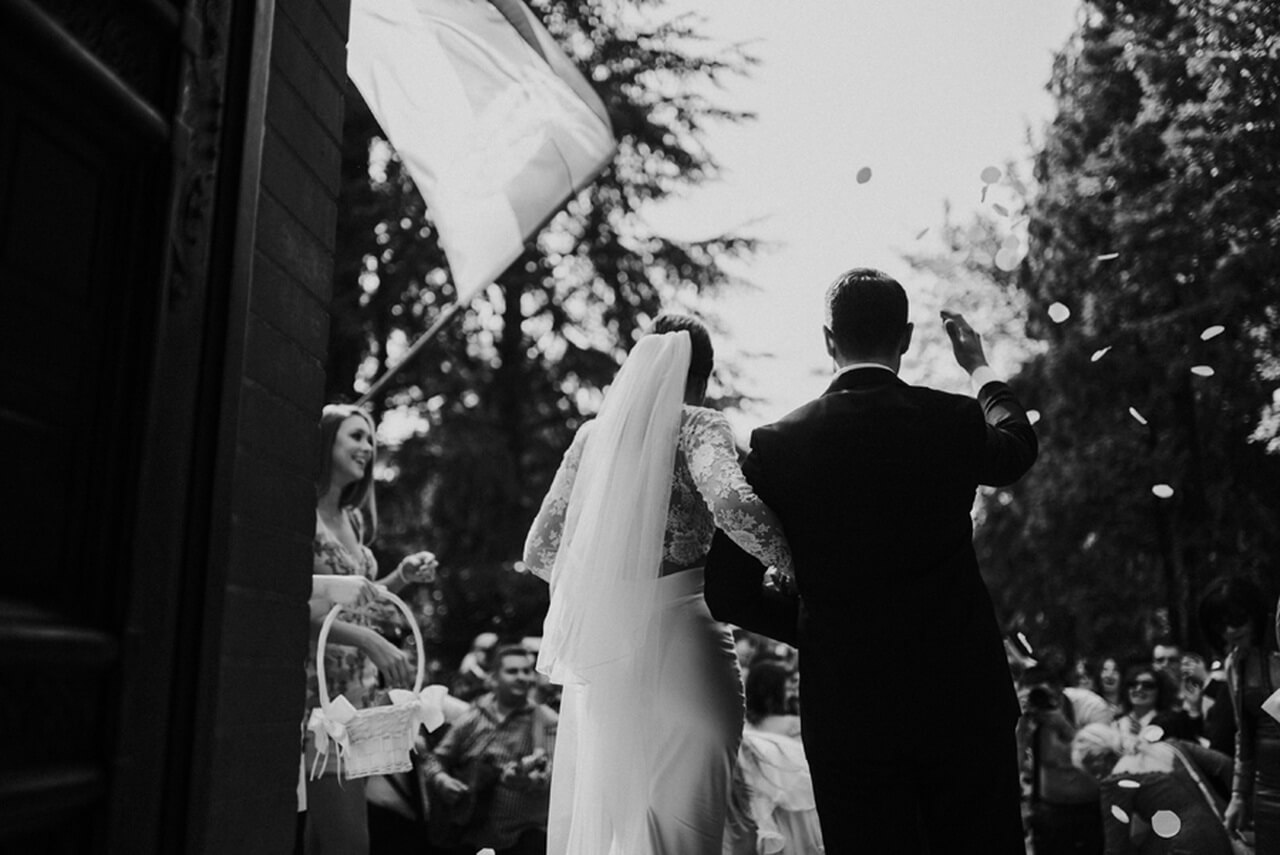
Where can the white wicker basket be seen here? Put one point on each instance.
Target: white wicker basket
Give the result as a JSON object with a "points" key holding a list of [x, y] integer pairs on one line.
{"points": [[371, 741]]}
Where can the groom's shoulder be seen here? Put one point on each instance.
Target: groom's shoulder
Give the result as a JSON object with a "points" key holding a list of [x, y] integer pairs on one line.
{"points": [[920, 395], [942, 398], [799, 416], [943, 407]]}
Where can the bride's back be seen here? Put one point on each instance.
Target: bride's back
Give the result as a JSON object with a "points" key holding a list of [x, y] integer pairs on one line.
{"points": [[690, 525]]}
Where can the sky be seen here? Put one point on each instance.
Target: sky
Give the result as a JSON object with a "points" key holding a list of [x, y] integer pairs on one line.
{"points": [[924, 93]]}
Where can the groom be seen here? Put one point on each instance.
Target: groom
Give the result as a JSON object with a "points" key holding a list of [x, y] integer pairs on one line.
{"points": [[874, 482]]}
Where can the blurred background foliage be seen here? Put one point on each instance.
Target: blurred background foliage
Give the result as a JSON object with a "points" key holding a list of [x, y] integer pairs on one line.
{"points": [[1152, 220]]}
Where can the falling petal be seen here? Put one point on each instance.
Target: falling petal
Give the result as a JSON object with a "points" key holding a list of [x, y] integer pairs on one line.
{"points": [[1109, 256], [991, 175], [1162, 491], [1211, 332], [1165, 823], [864, 175], [1098, 354], [1138, 417], [1007, 260], [1011, 243], [1000, 209], [1202, 370], [1118, 813], [1033, 416], [922, 233], [1059, 313], [1128, 784]]}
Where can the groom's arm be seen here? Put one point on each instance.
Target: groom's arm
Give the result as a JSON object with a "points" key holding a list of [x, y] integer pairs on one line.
{"points": [[736, 594], [734, 581], [1009, 444]]}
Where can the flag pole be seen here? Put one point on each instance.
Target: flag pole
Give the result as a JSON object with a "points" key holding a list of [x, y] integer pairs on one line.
{"points": [[439, 323]]}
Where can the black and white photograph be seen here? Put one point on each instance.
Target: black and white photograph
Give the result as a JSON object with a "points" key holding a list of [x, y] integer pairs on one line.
{"points": [[640, 427]]}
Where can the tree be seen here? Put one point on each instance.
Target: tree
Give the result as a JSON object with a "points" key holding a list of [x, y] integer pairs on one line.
{"points": [[488, 407], [1153, 223]]}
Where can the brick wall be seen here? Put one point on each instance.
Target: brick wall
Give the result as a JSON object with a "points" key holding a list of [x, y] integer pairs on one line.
{"points": [[278, 332]]}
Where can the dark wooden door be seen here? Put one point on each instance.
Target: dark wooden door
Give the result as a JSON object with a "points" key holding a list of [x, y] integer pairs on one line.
{"points": [[97, 219]]}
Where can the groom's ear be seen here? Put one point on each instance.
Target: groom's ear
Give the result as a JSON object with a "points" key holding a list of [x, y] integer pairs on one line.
{"points": [[906, 337], [830, 341]]}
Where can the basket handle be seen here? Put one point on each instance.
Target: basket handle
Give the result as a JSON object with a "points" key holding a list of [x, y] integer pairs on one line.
{"points": [[325, 703]]}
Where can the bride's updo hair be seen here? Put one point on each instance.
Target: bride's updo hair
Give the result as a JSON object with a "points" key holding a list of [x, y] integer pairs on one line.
{"points": [[702, 357]]}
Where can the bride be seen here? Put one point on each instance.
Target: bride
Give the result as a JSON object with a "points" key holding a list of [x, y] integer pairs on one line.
{"points": [[651, 714]]}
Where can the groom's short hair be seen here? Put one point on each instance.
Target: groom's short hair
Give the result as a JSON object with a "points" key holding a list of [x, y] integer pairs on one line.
{"points": [[866, 312]]}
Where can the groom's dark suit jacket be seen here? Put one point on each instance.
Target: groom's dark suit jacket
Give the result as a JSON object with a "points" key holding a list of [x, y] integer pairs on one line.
{"points": [[874, 483]]}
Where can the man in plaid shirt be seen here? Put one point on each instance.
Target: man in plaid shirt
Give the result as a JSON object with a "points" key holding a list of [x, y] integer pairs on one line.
{"points": [[497, 757]]}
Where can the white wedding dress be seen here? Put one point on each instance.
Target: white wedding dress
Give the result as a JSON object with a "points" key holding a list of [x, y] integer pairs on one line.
{"points": [[649, 729]]}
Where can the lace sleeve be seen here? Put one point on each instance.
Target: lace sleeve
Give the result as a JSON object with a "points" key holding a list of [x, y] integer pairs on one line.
{"points": [[713, 462], [543, 541]]}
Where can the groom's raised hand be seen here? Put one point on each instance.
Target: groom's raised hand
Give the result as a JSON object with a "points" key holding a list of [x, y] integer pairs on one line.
{"points": [[965, 343]]}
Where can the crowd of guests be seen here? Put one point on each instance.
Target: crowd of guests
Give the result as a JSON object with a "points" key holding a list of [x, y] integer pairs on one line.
{"points": [[1174, 753], [1179, 752]]}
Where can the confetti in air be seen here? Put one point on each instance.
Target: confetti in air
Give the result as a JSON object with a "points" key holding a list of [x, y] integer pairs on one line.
{"points": [[991, 174], [864, 175], [1202, 370], [1137, 416], [1165, 823], [1033, 416], [1000, 209], [1098, 354], [922, 233], [1162, 491], [1128, 784], [1109, 256], [1059, 313], [1007, 260], [1212, 332], [1118, 813]]}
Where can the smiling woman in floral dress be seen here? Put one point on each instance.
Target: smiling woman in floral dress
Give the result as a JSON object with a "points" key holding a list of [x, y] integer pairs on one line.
{"points": [[336, 813]]}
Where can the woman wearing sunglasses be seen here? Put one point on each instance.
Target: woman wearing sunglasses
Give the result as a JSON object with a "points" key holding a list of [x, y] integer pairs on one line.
{"points": [[1147, 699]]}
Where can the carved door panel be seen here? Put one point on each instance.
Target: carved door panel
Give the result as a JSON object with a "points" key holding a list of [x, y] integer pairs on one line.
{"points": [[90, 95]]}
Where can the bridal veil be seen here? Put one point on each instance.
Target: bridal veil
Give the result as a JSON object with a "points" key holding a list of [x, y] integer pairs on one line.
{"points": [[599, 637]]}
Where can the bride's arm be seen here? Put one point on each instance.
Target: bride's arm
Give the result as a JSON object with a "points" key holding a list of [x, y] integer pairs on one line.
{"points": [[738, 511], [543, 541]]}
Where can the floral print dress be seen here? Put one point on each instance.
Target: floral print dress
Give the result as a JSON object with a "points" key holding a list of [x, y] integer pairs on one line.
{"points": [[347, 671]]}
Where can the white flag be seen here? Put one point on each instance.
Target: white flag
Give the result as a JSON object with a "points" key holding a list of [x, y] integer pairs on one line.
{"points": [[493, 122]]}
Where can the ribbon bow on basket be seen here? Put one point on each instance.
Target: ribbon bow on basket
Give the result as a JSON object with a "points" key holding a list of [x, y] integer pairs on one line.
{"points": [[330, 727], [376, 740], [429, 704]]}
